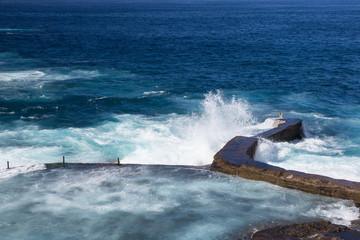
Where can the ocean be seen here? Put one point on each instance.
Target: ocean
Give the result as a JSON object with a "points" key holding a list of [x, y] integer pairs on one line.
{"points": [[164, 85]]}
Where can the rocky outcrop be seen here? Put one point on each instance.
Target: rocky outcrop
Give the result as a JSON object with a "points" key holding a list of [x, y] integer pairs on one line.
{"points": [[321, 230], [236, 158]]}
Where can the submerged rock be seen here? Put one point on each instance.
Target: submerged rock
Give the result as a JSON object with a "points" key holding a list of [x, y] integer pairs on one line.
{"points": [[321, 230]]}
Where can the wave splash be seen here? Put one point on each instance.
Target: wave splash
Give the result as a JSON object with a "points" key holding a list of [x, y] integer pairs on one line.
{"points": [[190, 140], [174, 139], [168, 139]]}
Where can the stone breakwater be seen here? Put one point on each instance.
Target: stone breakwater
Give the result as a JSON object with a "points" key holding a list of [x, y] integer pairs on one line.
{"points": [[237, 158]]}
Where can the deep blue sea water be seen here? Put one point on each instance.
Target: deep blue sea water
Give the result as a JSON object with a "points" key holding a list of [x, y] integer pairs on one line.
{"points": [[170, 82]]}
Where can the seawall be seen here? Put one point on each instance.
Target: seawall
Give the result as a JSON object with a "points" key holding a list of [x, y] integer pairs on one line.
{"points": [[237, 158]]}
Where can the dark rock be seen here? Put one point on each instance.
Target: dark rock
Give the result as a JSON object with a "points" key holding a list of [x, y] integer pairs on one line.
{"points": [[355, 224], [323, 230], [347, 235], [289, 130], [236, 158]]}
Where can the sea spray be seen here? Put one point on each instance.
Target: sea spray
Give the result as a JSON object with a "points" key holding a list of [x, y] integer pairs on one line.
{"points": [[168, 139], [175, 139], [188, 139]]}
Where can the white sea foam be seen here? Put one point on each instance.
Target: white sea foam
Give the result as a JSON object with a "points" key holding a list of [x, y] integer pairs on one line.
{"points": [[13, 171], [96, 99], [176, 140], [74, 74], [269, 123], [266, 151], [139, 195], [312, 115], [29, 75], [7, 113], [154, 93], [171, 139], [312, 155], [190, 140], [46, 75], [19, 156], [342, 212], [29, 118]]}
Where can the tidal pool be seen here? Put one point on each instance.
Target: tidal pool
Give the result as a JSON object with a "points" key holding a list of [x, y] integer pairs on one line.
{"points": [[151, 202]]}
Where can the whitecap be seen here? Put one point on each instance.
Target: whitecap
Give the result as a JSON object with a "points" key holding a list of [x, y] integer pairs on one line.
{"points": [[154, 93], [30, 75], [29, 118], [98, 98], [46, 75], [7, 113]]}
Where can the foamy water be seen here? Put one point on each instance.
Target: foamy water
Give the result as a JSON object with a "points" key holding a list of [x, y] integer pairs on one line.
{"points": [[137, 81], [174, 139], [312, 155], [144, 192], [192, 203], [46, 75], [171, 139], [14, 171]]}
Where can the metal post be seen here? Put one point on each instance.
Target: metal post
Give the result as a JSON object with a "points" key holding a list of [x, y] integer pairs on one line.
{"points": [[8, 165], [63, 161], [118, 161]]}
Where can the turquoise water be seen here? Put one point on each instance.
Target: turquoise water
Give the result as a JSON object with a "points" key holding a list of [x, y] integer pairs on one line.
{"points": [[170, 83], [150, 203]]}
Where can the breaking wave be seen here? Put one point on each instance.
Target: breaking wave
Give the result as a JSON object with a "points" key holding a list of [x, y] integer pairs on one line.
{"points": [[168, 139]]}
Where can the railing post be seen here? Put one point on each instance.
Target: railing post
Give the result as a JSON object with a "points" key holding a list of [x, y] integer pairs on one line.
{"points": [[63, 161]]}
